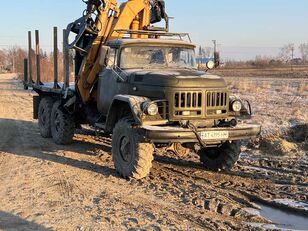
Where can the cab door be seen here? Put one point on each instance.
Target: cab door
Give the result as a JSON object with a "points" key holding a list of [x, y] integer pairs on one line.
{"points": [[108, 85]]}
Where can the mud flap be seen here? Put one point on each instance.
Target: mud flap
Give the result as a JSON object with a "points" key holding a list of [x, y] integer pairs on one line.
{"points": [[36, 103]]}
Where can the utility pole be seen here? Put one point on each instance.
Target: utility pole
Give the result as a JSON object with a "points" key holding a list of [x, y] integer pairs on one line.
{"points": [[215, 46], [216, 54], [292, 59]]}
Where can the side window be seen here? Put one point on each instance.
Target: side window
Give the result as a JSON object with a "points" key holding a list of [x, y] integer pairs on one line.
{"points": [[112, 58]]}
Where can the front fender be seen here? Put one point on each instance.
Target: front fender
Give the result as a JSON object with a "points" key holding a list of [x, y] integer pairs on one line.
{"points": [[120, 106]]}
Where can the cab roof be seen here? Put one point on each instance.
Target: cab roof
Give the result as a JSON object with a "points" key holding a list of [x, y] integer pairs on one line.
{"points": [[117, 43]]}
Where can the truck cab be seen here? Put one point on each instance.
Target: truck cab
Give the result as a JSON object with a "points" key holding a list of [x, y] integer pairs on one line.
{"points": [[154, 87]]}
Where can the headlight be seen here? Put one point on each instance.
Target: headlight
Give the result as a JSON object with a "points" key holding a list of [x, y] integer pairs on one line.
{"points": [[151, 108], [210, 64], [237, 106]]}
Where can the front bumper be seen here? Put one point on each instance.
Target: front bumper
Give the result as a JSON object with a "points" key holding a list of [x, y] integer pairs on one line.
{"points": [[173, 134]]}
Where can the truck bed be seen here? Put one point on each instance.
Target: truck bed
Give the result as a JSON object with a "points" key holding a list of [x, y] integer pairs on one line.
{"points": [[49, 88]]}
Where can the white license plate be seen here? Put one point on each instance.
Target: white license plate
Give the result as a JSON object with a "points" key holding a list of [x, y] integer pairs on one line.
{"points": [[213, 135]]}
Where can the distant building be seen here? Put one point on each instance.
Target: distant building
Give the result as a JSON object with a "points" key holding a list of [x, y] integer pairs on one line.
{"points": [[203, 60]]}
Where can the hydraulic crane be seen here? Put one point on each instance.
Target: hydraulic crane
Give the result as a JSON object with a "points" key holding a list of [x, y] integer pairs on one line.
{"points": [[104, 20]]}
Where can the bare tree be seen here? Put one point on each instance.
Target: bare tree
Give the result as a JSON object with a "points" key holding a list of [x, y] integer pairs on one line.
{"points": [[303, 48], [15, 58], [2, 57], [286, 52], [200, 51], [205, 52], [208, 51]]}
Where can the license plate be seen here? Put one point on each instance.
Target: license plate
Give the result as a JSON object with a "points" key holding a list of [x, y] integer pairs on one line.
{"points": [[213, 135]]}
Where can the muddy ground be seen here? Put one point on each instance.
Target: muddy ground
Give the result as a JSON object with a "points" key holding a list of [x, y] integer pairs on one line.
{"points": [[49, 187]]}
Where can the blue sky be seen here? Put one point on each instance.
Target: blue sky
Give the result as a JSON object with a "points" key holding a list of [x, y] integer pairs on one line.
{"points": [[243, 28]]}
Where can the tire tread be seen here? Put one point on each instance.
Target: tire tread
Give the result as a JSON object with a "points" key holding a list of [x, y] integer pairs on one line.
{"points": [[144, 152], [228, 155]]}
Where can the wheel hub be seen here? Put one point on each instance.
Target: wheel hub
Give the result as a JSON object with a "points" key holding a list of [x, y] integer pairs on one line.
{"points": [[57, 122], [125, 149], [43, 118]]}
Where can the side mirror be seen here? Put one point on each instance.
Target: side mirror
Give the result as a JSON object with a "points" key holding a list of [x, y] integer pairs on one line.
{"points": [[104, 56]]}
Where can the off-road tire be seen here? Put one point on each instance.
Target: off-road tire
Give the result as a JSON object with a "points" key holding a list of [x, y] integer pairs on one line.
{"points": [[62, 125], [222, 158], [132, 159], [44, 116]]}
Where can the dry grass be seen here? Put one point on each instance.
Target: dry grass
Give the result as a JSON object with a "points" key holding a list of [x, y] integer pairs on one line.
{"points": [[300, 71], [303, 88], [295, 88], [278, 146], [279, 104]]}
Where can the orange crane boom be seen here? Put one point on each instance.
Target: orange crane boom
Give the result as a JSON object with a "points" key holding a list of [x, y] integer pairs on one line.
{"points": [[109, 20]]}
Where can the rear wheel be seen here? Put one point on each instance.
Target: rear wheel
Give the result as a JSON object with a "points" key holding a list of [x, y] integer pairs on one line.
{"points": [[132, 157], [62, 125], [44, 116], [222, 158]]}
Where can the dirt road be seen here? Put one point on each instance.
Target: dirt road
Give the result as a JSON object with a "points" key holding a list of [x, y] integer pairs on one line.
{"points": [[49, 187]]}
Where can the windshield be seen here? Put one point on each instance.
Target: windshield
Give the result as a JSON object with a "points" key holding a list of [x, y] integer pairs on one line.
{"points": [[158, 57]]}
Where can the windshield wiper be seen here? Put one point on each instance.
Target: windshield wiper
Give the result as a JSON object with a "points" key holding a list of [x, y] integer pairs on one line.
{"points": [[153, 66], [181, 67]]}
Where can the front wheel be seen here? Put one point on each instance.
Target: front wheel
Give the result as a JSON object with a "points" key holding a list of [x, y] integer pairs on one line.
{"points": [[220, 158], [132, 158]]}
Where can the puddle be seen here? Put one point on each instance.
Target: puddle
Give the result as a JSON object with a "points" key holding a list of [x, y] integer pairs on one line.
{"points": [[282, 220]]}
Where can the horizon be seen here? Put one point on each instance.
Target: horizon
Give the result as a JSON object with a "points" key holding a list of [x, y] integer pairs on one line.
{"points": [[236, 27]]}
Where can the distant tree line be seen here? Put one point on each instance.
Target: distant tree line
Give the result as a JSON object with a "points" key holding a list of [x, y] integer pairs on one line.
{"points": [[287, 55], [12, 61]]}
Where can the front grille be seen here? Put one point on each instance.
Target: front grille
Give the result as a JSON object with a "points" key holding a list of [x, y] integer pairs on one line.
{"points": [[216, 99], [217, 102], [188, 99], [200, 103], [188, 103]]}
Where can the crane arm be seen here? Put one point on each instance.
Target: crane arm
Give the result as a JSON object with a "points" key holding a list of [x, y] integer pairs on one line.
{"points": [[92, 34]]}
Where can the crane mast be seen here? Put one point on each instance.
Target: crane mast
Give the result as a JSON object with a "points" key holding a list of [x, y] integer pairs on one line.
{"points": [[103, 20]]}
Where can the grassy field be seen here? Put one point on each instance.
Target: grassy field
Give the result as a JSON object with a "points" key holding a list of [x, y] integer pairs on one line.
{"points": [[270, 72]]}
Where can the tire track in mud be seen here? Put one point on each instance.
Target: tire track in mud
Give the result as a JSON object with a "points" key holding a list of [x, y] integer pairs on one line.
{"points": [[201, 198], [231, 190]]}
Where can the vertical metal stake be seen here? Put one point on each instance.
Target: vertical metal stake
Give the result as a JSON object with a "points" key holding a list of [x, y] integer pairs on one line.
{"points": [[65, 61], [38, 59], [30, 57], [55, 57], [25, 74]]}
